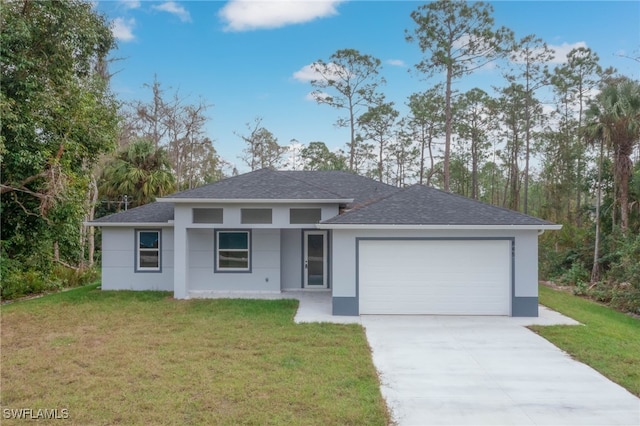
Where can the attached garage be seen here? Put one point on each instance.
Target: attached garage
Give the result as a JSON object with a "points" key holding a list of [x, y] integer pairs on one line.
{"points": [[435, 276]]}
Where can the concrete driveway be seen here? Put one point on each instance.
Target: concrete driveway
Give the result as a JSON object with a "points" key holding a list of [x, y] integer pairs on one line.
{"points": [[438, 370]]}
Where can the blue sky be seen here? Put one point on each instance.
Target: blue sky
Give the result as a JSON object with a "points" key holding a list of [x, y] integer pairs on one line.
{"points": [[242, 56]]}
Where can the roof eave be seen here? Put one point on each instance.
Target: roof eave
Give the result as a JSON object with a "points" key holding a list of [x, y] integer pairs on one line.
{"points": [[253, 200], [356, 226], [130, 224]]}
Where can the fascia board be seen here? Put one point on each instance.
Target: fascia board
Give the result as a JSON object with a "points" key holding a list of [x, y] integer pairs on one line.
{"points": [[553, 227], [251, 201], [130, 224]]}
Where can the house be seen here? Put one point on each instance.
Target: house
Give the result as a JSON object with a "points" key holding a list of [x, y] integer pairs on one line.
{"points": [[377, 249]]}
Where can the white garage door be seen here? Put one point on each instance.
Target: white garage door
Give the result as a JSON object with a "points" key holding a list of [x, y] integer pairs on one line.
{"points": [[440, 277]]}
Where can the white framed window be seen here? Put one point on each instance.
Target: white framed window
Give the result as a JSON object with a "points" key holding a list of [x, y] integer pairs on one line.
{"points": [[233, 251], [148, 250]]}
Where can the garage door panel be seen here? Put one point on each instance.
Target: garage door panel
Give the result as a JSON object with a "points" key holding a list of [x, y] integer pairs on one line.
{"points": [[457, 277]]}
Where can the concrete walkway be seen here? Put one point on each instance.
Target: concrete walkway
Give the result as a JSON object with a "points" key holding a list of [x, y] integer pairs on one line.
{"points": [[438, 370]]}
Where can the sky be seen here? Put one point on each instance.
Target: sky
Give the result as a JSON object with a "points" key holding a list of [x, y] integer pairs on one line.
{"points": [[246, 59]]}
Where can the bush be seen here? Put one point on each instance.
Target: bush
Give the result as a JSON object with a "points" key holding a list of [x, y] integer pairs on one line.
{"points": [[623, 279], [16, 282], [577, 276]]}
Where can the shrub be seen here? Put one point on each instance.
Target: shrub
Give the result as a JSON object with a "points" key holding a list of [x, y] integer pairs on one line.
{"points": [[15, 281], [623, 279], [577, 275]]}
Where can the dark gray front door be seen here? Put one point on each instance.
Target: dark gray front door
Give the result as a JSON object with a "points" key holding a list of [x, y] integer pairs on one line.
{"points": [[315, 259]]}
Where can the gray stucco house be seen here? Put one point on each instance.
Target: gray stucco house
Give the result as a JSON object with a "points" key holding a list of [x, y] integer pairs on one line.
{"points": [[378, 249]]}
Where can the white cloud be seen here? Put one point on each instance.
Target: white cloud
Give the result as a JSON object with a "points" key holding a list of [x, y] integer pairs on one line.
{"points": [[306, 73], [247, 15], [130, 4], [561, 51], [320, 72], [396, 63], [314, 96], [122, 29], [175, 9]]}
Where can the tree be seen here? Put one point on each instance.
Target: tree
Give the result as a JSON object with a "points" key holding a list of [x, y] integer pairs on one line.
{"points": [[316, 156], [614, 118], [353, 77], [474, 121], [139, 171], [573, 82], [458, 38], [58, 118], [378, 126], [530, 56], [178, 126], [403, 156], [262, 149], [425, 123], [513, 121]]}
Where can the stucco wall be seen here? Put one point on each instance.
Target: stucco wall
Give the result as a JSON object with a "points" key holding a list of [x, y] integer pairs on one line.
{"points": [[265, 263], [118, 261], [232, 216], [291, 259]]}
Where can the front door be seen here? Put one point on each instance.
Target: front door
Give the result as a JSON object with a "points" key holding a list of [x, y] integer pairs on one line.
{"points": [[315, 259]]}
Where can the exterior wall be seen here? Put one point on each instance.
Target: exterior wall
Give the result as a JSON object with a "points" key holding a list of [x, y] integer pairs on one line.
{"points": [[525, 274], [231, 215], [291, 259], [276, 249], [118, 261], [265, 263]]}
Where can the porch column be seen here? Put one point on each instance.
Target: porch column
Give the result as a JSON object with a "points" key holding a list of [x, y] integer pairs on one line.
{"points": [[180, 261]]}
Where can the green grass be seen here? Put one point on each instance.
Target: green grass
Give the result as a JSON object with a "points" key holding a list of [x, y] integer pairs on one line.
{"points": [[609, 341], [145, 358]]}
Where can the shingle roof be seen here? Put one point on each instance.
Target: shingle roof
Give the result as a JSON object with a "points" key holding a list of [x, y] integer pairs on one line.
{"points": [[421, 205], [374, 202], [265, 184], [149, 213], [346, 185], [262, 184]]}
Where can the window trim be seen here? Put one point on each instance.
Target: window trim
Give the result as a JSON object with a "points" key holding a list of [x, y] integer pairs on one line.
{"points": [[138, 250], [216, 248]]}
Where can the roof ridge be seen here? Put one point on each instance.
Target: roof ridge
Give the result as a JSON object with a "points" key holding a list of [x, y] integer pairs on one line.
{"points": [[289, 175], [218, 182], [372, 201]]}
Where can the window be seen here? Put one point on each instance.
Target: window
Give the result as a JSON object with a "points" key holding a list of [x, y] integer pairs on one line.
{"points": [[233, 251], [256, 216], [148, 251], [300, 216], [207, 215]]}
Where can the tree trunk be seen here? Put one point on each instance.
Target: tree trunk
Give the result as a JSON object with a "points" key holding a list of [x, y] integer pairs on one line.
{"points": [[595, 270], [447, 130], [92, 211], [352, 143], [422, 147]]}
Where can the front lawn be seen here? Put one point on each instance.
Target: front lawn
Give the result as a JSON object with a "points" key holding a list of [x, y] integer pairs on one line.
{"points": [[144, 358], [609, 341]]}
